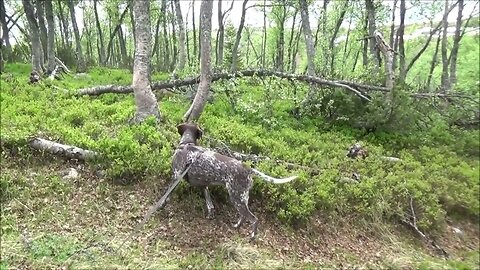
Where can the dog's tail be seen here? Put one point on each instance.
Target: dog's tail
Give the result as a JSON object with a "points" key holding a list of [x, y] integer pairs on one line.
{"points": [[273, 179]]}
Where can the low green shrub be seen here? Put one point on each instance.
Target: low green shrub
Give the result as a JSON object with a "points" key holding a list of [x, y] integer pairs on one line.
{"points": [[437, 176]]}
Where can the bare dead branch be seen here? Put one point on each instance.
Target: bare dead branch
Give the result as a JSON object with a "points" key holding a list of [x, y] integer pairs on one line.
{"points": [[413, 224], [98, 90]]}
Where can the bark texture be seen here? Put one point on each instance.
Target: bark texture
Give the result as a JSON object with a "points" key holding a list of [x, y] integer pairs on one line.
{"points": [[401, 42], [456, 44], [445, 78], [51, 37], [67, 151], [37, 53], [181, 37], [145, 101], [100, 45], [196, 109], [310, 48], [238, 37], [81, 66]]}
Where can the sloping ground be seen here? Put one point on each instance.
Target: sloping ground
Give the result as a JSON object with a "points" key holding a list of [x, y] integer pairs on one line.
{"points": [[52, 221]]}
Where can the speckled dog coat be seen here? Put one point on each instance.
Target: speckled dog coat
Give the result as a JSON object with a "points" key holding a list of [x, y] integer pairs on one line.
{"points": [[211, 168]]}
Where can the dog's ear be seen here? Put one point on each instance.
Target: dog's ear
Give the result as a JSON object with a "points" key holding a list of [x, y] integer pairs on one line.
{"points": [[199, 132], [181, 128]]}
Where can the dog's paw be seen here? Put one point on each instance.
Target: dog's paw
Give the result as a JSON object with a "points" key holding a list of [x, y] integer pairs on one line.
{"points": [[210, 216]]}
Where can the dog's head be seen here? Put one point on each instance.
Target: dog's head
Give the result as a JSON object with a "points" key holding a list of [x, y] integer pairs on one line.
{"points": [[190, 133], [357, 150]]}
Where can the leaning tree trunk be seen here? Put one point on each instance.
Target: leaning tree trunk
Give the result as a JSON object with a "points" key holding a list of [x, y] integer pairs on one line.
{"points": [[37, 53], [123, 48], [331, 47], [145, 101], [433, 63], [51, 36], [181, 37], [81, 67], [388, 55], [456, 45], [238, 37], [196, 109]]}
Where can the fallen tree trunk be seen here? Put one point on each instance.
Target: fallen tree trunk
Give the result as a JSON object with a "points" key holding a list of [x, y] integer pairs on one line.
{"points": [[67, 151], [351, 86]]}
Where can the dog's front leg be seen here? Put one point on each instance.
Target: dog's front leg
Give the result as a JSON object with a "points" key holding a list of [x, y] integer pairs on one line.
{"points": [[209, 202]]}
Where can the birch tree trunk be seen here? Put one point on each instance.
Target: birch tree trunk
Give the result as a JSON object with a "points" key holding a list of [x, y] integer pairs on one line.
{"points": [[196, 109], [194, 31], [365, 42], [174, 45], [43, 29], [445, 78], [181, 37], [290, 56], [233, 68], [388, 55], [100, 45], [51, 36], [7, 49], [433, 63], [371, 17], [401, 42], [334, 36], [81, 67], [392, 26], [456, 44], [145, 101], [281, 38], [37, 53], [264, 39], [64, 23], [220, 40], [310, 48], [307, 32], [165, 44], [114, 33], [123, 48]]}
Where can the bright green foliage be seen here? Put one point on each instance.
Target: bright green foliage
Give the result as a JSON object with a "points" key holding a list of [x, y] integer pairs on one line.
{"points": [[438, 174]]}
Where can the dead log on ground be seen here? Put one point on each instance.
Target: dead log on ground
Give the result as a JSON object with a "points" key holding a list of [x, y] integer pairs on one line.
{"points": [[351, 86], [67, 151]]}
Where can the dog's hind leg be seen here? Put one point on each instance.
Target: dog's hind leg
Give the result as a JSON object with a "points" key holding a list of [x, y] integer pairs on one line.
{"points": [[209, 202], [240, 201]]}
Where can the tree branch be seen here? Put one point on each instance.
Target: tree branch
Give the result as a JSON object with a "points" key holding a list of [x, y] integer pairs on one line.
{"points": [[98, 90]]}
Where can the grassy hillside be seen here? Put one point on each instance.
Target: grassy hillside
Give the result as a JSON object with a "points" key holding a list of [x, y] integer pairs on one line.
{"points": [[315, 221]]}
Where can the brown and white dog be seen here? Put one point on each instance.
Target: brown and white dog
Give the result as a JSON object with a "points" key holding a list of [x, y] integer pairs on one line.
{"points": [[211, 168]]}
